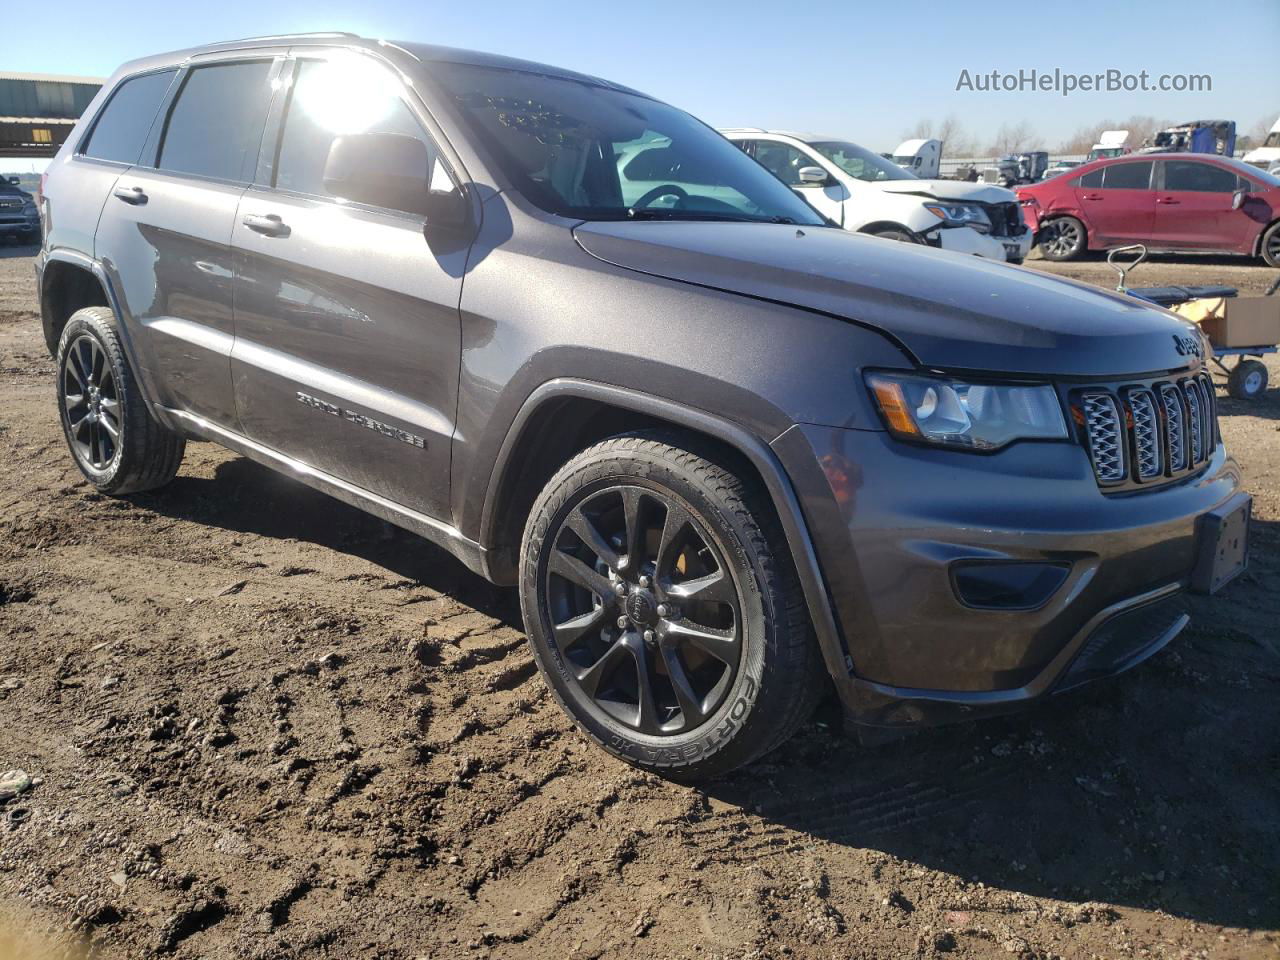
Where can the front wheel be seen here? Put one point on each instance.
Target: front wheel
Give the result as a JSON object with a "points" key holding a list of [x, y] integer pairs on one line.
{"points": [[1063, 238], [1247, 380], [895, 233], [663, 608], [1271, 245]]}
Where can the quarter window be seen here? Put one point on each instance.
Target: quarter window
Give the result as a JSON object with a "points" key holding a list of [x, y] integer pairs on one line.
{"points": [[126, 120], [1198, 177], [335, 98], [1127, 176], [215, 126], [1091, 180]]}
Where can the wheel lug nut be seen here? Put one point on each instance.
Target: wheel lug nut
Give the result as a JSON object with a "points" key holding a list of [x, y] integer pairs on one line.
{"points": [[644, 581], [620, 589], [622, 622], [663, 610], [649, 636], [624, 562]]}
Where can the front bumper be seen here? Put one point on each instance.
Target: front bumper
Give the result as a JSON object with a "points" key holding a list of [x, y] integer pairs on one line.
{"points": [[969, 241], [890, 521], [9, 228]]}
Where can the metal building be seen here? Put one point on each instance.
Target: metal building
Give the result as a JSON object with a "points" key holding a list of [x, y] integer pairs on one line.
{"points": [[38, 110]]}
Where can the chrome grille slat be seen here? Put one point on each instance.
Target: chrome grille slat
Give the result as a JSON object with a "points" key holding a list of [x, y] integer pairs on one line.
{"points": [[1106, 447], [1148, 455], [1195, 419], [1176, 426]]}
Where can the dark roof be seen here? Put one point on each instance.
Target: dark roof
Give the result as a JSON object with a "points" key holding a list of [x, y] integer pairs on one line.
{"points": [[427, 53]]}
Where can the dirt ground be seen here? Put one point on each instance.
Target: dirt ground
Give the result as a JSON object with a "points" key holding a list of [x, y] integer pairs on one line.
{"points": [[265, 725]]}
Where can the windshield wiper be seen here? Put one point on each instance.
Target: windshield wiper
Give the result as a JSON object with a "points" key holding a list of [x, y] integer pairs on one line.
{"points": [[649, 213]]}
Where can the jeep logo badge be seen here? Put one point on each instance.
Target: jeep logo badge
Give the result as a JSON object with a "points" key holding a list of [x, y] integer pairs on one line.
{"points": [[1187, 346]]}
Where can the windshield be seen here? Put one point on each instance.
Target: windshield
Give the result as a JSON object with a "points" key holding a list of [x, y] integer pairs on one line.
{"points": [[586, 151], [1250, 171], [860, 163]]}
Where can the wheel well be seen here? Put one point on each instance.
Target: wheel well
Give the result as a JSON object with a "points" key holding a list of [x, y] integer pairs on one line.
{"points": [[1262, 235], [554, 433], [66, 288], [884, 225]]}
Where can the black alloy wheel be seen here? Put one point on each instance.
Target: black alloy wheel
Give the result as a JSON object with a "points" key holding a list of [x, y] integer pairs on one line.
{"points": [[91, 398], [644, 609]]}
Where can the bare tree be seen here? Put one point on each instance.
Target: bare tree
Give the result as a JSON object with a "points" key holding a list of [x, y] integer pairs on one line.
{"points": [[955, 142], [1015, 138]]}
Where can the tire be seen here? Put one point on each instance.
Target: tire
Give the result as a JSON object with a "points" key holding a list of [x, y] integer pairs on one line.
{"points": [[1247, 380], [895, 233], [705, 528], [1270, 248], [1063, 238], [118, 446]]}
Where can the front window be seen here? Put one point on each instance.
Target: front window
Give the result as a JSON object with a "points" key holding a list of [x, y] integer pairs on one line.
{"points": [[583, 150], [860, 163]]}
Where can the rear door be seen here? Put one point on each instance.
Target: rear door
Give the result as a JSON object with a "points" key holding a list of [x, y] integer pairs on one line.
{"points": [[1118, 202], [347, 327], [1193, 207], [79, 180], [165, 233]]}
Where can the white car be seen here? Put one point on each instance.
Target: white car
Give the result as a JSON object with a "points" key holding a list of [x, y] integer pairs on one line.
{"points": [[862, 191]]}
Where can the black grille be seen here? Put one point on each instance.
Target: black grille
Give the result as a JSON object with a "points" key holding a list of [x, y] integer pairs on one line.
{"points": [[1147, 433], [1006, 219], [1125, 639]]}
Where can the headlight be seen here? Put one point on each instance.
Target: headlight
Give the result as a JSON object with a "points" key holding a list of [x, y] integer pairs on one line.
{"points": [[973, 416], [961, 215]]}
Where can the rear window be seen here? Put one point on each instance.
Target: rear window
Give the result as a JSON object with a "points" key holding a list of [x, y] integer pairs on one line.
{"points": [[215, 126], [122, 128]]}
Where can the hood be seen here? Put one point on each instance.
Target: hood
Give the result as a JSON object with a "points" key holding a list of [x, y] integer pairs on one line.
{"points": [[950, 190], [947, 310], [1262, 155]]}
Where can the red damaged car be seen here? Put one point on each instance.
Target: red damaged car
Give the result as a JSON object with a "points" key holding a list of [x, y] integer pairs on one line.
{"points": [[1172, 202]]}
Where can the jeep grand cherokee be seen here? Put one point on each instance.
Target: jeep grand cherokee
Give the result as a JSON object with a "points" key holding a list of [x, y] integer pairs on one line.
{"points": [[730, 456]]}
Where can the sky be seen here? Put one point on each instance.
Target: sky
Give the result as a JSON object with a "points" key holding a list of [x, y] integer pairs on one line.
{"points": [[866, 71]]}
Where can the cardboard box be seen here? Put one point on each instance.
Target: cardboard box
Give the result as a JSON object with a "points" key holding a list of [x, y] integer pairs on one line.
{"points": [[1236, 321]]}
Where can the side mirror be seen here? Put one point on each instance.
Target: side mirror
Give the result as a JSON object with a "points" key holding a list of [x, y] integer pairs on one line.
{"points": [[1238, 198], [390, 170], [813, 175]]}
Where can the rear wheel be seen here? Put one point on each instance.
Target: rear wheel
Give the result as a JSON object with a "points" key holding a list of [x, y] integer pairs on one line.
{"points": [[663, 608], [1063, 238], [1247, 380], [117, 444]]}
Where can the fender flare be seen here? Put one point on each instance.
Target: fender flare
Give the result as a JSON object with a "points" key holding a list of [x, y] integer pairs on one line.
{"points": [[95, 267], [777, 484]]}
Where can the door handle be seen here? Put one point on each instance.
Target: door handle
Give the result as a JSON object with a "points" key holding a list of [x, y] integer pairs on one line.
{"points": [[1093, 196], [1168, 200], [131, 195], [269, 226]]}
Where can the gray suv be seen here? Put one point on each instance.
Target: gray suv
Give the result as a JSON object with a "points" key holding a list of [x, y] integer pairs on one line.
{"points": [[731, 456]]}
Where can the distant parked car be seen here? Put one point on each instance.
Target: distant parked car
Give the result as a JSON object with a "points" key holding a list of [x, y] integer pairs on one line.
{"points": [[862, 191], [1059, 167], [1172, 202], [18, 215]]}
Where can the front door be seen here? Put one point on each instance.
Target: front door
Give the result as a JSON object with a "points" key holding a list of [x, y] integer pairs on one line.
{"points": [[1193, 208], [347, 328], [785, 162]]}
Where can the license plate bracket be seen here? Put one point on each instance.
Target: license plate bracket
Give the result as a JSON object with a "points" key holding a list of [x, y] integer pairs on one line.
{"points": [[1222, 553]]}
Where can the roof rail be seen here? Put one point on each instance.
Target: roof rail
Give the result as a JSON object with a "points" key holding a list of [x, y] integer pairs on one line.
{"points": [[318, 34]]}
